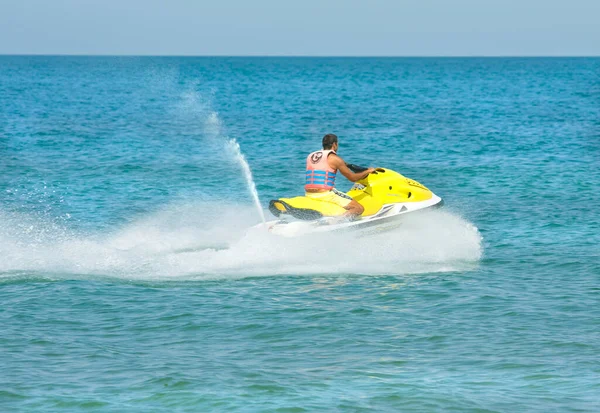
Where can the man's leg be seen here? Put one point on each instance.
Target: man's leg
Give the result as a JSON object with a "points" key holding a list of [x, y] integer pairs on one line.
{"points": [[353, 209]]}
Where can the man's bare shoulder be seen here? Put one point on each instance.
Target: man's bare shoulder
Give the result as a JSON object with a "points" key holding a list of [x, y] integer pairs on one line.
{"points": [[334, 159]]}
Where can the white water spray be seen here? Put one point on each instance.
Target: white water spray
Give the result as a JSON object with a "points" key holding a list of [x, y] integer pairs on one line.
{"points": [[212, 127], [241, 159], [210, 241]]}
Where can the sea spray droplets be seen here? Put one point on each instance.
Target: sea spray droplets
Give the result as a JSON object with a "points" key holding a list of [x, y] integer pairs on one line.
{"points": [[211, 240], [241, 159], [212, 127]]}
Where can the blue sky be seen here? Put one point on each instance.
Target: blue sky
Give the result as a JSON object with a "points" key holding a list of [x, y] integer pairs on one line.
{"points": [[304, 27]]}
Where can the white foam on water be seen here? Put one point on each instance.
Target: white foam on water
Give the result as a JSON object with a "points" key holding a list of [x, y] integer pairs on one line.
{"points": [[215, 241]]}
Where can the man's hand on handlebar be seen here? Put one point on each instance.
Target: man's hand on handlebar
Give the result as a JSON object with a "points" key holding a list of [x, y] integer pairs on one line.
{"points": [[369, 171]]}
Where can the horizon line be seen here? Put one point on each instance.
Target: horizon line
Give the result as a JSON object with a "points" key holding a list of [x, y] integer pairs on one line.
{"points": [[292, 56]]}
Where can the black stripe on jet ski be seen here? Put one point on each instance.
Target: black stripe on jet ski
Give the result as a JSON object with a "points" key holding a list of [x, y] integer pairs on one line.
{"points": [[385, 210]]}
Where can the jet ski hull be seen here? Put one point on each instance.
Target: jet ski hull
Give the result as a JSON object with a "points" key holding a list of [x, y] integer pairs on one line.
{"points": [[390, 217]]}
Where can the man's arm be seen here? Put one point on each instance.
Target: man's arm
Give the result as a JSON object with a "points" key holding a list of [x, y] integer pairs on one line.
{"points": [[338, 163]]}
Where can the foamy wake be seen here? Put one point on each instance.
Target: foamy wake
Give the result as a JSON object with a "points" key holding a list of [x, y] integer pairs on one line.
{"points": [[204, 241]]}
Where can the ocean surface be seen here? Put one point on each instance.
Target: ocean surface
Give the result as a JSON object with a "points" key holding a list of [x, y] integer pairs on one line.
{"points": [[130, 281]]}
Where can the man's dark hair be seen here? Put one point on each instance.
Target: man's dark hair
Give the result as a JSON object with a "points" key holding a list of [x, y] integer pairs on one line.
{"points": [[329, 140]]}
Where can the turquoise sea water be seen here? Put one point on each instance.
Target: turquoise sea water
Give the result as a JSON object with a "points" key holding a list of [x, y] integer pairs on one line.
{"points": [[129, 281]]}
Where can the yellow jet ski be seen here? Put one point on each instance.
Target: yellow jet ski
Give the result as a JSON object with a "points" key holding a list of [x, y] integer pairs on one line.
{"points": [[385, 195]]}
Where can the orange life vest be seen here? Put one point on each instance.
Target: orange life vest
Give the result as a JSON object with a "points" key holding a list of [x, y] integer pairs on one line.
{"points": [[319, 175]]}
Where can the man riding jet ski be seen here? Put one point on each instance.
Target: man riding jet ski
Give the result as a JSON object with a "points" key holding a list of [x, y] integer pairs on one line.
{"points": [[379, 196], [321, 169]]}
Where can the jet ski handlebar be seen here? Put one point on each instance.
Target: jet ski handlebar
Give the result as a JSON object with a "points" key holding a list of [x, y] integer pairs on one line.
{"points": [[355, 168], [358, 169]]}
